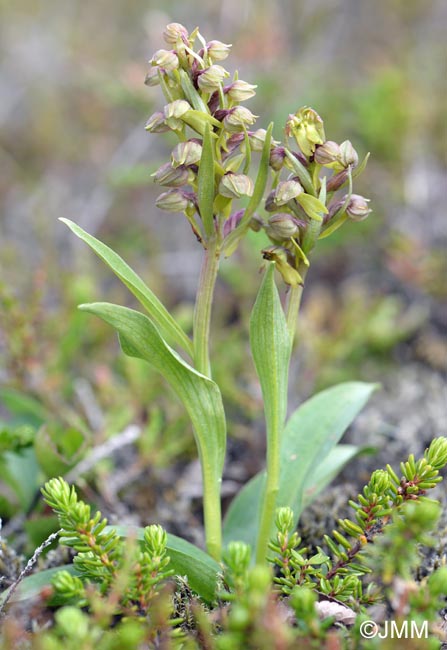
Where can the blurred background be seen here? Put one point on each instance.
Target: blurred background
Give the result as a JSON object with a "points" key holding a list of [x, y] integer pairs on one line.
{"points": [[72, 144]]}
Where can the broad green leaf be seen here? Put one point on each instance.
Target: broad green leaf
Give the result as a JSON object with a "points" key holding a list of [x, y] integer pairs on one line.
{"points": [[307, 443], [326, 471], [242, 517], [270, 347], [205, 181], [21, 472], [156, 310], [201, 397], [312, 206], [232, 241], [186, 560], [311, 433]]}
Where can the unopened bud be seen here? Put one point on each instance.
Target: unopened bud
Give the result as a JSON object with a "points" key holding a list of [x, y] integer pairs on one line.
{"points": [[358, 209], [173, 176], [233, 186], [257, 139], [327, 153], [237, 118], [186, 153], [152, 78], [286, 191], [307, 127], [348, 155], [156, 123], [277, 157], [175, 32], [240, 91], [174, 201], [176, 108], [232, 222], [336, 181], [218, 51], [281, 226], [210, 79], [165, 59]]}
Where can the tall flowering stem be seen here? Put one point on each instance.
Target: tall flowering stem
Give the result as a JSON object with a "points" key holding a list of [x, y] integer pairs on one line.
{"points": [[209, 180]]}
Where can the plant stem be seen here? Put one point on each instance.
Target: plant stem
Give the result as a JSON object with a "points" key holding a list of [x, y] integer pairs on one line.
{"points": [[201, 331], [212, 511], [270, 491], [293, 304], [203, 306]]}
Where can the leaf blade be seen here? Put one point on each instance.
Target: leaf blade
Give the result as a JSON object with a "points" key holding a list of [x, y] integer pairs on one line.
{"points": [[205, 183], [200, 395], [136, 285]]}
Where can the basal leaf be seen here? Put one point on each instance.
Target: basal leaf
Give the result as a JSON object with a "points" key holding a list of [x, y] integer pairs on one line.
{"points": [[201, 397], [308, 455], [311, 433], [326, 471], [156, 310]]}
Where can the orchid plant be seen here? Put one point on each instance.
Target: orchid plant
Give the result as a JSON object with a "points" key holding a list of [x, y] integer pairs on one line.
{"points": [[298, 191]]}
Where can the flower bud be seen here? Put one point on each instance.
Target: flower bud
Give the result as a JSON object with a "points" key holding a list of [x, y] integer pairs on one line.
{"points": [[234, 141], [236, 118], [333, 208], [257, 139], [176, 108], [285, 263], [348, 155], [173, 176], [281, 226], [210, 79], [156, 123], [173, 201], [165, 59], [218, 51], [306, 126], [152, 78], [286, 191], [277, 157], [232, 222], [336, 181], [357, 209], [327, 153], [240, 91], [186, 153], [233, 186], [175, 32]]}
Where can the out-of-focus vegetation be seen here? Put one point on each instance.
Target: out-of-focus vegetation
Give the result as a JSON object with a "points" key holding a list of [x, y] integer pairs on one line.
{"points": [[72, 143]]}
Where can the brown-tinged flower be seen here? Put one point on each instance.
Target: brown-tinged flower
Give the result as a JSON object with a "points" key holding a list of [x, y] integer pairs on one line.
{"points": [[175, 32], [240, 91], [174, 201], [186, 153], [358, 209], [156, 123], [210, 79], [233, 186], [282, 226], [165, 59], [173, 176], [327, 153], [217, 51]]}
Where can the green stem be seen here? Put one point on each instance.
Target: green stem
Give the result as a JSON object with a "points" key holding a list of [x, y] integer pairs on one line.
{"points": [[212, 511], [202, 311], [293, 306], [201, 330], [270, 491]]}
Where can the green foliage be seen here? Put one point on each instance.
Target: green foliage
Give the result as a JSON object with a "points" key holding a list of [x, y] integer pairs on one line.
{"points": [[340, 576], [308, 445]]}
